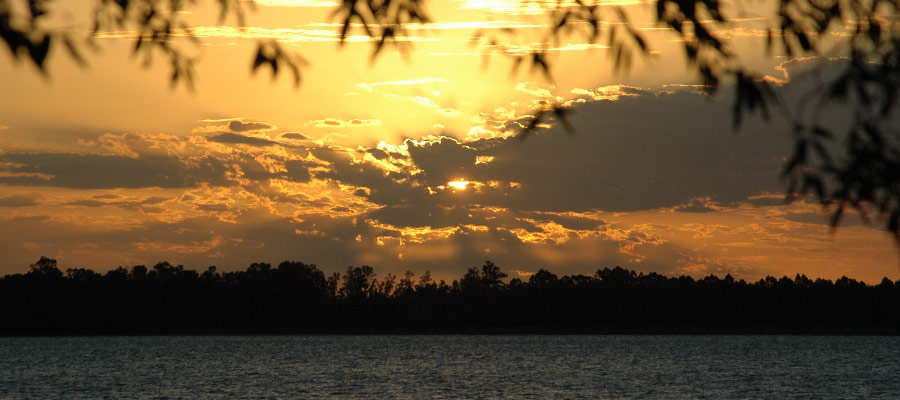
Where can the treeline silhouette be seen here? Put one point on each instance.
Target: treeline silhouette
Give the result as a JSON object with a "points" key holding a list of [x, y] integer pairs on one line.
{"points": [[294, 297]]}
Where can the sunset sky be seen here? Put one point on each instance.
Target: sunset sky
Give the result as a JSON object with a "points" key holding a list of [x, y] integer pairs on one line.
{"points": [[407, 161]]}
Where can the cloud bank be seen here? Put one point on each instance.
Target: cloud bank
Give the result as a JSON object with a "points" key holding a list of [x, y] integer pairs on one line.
{"points": [[655, 181]]}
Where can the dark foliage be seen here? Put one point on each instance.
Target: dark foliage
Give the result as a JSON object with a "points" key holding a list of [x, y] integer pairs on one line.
{"points": [[297, 298]]}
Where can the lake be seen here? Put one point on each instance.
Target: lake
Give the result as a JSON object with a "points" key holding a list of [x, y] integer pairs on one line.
{"points": [[415, 367]]}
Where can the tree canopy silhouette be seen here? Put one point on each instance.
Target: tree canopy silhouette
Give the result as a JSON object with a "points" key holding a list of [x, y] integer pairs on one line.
{"points": [[294, 297], [857, 167]]}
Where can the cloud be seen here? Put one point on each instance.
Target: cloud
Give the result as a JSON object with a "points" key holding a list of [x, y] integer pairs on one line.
{"points": [[696, 164], [699, 205], [802, 64], [294, 136], [443, 160], [232, 138], [19, 200], [422, 92], [147, 204], [148, 160], [639, 152], [656, 181], [767, 199], [231, 125], [93, 171], [535, 89], [611, 92], [339, 123], [241, 126]]}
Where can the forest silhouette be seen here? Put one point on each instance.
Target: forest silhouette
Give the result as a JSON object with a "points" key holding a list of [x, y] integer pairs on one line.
{"points": [[298, 298]]}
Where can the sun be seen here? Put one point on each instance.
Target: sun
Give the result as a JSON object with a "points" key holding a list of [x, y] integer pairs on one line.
{"points": [[458, 184]]}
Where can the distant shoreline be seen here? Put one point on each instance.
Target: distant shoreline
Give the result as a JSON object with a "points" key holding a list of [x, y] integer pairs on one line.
{"points": [[297, 299], [892, 333]]}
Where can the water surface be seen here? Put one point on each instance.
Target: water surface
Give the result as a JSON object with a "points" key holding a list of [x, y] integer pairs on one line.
{"points": [[665, 367]]}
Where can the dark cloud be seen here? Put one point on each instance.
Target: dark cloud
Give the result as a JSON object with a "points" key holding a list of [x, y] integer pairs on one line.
{"points": [[820, 217], [156, 169], [250, 167], [153, 200], [393, 188], [443, 160], [294, 135], [146, 205], [378, 154], [694, 208], [424, 214], [19, 200], [637, 153], [569, 221], [335, 156], [297, 171], [95, 171], [767, 201], [241, 126], [89, 203], [233, 138], [697, 206], [218, 207]]}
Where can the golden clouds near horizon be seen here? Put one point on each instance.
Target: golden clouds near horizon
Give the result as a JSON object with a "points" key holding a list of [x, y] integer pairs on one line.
{"points": [[400, 156]]}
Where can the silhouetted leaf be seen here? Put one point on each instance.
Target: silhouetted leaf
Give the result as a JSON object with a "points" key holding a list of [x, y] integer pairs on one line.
{"points": [[73, 51], [260, 58], [836, 216], [38, 51]]}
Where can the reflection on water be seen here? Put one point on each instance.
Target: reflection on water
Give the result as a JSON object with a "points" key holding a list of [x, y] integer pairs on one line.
{"points": [[715, 367]]}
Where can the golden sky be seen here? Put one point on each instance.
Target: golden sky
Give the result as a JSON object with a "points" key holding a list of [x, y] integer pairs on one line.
{"points": [[406, 161]]}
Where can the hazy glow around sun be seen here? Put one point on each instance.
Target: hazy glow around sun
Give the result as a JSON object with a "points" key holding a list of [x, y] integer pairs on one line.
{"points": [[458, 184], [297, 3]]}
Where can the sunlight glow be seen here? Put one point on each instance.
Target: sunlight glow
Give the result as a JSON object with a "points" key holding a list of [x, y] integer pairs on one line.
{"points": [[533, 7], [458, 184], [297, 3]]}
